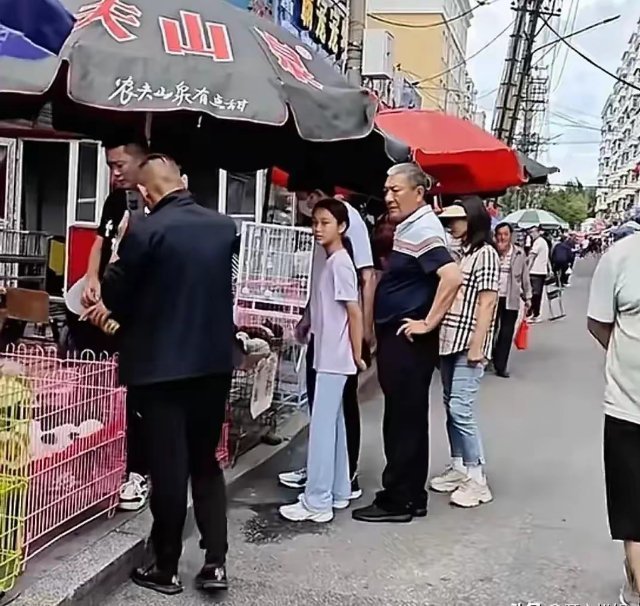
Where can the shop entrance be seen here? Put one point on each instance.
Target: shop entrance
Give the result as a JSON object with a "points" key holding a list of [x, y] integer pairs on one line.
{"points": [[45, 187], [44, 192]]}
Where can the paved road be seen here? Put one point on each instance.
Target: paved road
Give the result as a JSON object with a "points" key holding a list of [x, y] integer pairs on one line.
{"points": [[544, 538]]}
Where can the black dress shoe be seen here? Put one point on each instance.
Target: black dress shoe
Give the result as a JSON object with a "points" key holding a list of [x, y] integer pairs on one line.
{"points": [[158, 580], [419, 511], [375, 513], [502, 373], [212, 577]]}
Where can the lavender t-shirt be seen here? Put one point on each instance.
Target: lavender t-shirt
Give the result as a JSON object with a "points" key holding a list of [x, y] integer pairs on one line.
{"points": [[337, 285]]}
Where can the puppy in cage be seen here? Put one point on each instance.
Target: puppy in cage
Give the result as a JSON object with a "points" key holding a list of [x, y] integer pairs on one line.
{"points": [[338, 334]]}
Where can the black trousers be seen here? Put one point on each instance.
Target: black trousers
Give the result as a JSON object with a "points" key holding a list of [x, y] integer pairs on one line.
{"points": [[350, 406], [561, 270], [537, 288], [404, 371], [136, 458], [182, 421], [622, 477], [506, 326]]}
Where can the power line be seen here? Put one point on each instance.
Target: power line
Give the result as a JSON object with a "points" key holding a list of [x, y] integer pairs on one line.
{"points": [[573, 19], [472, 56], [591, 61], [430, 25], [578, 126]]}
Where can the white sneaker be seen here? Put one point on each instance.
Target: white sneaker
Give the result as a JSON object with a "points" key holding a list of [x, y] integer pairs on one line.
{"points": [[134, 493], [449, 480], [299, 513], [341, 504], [356, 491], [471, 494], [294, 479], [628, 594]]}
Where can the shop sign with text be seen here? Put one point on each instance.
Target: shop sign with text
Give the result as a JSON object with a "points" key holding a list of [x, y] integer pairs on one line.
{"points": [[323, 22]]}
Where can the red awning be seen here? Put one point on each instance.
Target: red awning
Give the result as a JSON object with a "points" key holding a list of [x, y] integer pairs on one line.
{"points": [[462, 157]]}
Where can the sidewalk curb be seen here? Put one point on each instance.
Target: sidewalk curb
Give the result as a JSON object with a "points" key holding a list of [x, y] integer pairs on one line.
{"points": [[93, 572]]}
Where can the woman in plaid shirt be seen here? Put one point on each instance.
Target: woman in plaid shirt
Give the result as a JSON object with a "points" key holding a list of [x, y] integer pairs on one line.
{"points": [[466, 337]]}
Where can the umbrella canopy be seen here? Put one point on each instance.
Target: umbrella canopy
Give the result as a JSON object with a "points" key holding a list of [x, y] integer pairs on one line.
{"points": [[204, 70], [45, 23], [463, 158], [535, 217], [536, 173]]}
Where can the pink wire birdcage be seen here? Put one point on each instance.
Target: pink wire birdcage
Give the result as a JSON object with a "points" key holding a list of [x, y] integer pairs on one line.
{"points": [[76, 441]]}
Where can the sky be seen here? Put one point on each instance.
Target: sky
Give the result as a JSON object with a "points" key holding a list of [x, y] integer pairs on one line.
{"points": [[578, 91]]}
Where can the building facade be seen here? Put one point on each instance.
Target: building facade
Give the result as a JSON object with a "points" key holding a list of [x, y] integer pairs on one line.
{"points": [[618, 195], [430, 51]]}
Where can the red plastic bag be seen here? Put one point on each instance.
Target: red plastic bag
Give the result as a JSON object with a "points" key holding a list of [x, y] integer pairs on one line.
{"points": [[521, 340]]}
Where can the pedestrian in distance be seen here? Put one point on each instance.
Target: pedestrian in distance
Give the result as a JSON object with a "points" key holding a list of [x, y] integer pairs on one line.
{"points": [[171, 291], [416, 289], [338, 334], [466, 341], [562, 258], [538, 270], [614, 321], [514, 289]]}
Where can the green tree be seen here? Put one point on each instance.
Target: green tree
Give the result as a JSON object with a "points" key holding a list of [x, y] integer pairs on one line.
{"points": [[571, 203]]}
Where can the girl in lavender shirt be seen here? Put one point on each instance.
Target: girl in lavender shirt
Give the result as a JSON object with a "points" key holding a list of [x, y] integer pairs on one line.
{"points": [[337, 329]]}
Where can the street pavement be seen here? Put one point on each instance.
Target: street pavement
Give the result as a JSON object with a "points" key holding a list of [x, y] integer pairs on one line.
{"points": [[543, 540]]}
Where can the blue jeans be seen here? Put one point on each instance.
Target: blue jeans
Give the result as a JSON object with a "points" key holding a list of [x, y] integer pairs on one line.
{"points": [[460, 383], [327, 459]]}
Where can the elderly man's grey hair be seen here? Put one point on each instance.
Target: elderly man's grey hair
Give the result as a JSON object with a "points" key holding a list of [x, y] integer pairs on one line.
{"points": [[413, 174]]}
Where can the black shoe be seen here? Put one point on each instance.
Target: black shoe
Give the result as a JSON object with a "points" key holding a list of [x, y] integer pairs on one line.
{"points": [[158, 580], [375, 513], [356, 491], [419, 511], [212, 577], [502, 373]]}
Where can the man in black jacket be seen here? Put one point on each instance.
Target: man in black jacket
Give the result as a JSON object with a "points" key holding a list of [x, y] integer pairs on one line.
{"points": [[170, 290]]}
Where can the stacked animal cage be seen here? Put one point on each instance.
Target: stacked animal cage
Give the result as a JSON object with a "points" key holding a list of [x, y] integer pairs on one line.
{"points": [[15, 414], [23, 258], [272, 290], [75, 440]]}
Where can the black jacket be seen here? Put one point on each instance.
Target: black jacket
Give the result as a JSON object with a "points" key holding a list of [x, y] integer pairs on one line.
{"points": [[562, 254], [171, 292]]}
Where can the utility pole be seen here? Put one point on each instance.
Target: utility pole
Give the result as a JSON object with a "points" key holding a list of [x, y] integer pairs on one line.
{"points": [[355, 43], [504, 102], [515, 85], [532, 9]]}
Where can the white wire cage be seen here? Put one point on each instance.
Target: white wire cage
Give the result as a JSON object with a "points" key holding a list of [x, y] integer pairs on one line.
{"points": [[274, 269]]}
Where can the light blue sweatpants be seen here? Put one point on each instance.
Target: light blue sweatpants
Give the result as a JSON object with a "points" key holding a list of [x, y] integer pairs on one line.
{"points": [[327, 459]]}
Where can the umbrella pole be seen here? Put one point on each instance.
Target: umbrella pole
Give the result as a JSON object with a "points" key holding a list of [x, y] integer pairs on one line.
{"points": [[148, 120]]}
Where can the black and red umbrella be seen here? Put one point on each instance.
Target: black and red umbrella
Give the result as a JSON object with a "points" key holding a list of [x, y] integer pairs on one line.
{"points": [[225, 80]]}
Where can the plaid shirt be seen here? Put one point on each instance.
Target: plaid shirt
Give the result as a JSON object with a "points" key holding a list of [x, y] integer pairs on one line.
{"points": [[480, 271]]}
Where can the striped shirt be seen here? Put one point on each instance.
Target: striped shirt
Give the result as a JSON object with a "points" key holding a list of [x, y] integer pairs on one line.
{"points": [[480, 272]]}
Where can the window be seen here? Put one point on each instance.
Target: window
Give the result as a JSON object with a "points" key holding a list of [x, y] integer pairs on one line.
{"points": [[241, 196], [87, 196]]}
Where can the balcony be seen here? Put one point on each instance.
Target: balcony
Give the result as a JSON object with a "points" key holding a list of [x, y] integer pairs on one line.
{"points": [[396, 93]]}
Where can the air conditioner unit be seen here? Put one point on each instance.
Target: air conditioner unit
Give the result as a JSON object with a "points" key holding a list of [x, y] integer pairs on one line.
{"points": [[378, 57]]}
